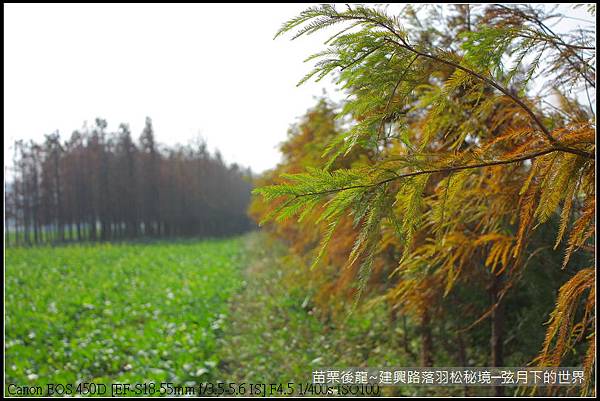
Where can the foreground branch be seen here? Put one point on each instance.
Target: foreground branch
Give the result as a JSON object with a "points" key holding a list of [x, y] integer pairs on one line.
{"points": [[432, 171], [403, 43]]}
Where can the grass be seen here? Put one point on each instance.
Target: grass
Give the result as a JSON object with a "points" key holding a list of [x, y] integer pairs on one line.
{"points": [[128, 313], [275, 335], [184, 312]]}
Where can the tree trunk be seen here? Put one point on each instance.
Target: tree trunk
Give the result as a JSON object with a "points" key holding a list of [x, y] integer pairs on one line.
{"points": [[462, 357], [426, 340], [497, 338]]}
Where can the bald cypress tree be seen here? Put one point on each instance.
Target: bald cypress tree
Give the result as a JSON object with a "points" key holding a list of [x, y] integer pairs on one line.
{"points": [[101, 185], [463, 162]]}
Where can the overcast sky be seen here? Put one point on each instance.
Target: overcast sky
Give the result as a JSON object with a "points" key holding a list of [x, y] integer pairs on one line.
{"points": [[212, 70]]}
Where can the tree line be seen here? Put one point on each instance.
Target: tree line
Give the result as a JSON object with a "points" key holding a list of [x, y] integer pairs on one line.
{"points": [[100, 186], [445, 187]]}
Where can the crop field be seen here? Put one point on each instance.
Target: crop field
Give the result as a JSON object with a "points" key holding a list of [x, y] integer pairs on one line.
{"points": [[129, 313]]}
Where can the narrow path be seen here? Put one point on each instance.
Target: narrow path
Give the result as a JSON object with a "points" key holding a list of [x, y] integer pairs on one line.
{"points": [[274, 337]]}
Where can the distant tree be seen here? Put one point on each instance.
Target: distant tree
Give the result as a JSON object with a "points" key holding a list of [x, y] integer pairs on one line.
{"points": [[149, 179], [98, 180]]}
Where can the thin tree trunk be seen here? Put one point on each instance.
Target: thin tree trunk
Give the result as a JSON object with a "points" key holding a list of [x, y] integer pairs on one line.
{"points": [[497, 338], [462, 357], [426, 340]]}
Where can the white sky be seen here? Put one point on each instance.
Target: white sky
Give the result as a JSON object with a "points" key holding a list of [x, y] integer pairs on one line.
{"points": [[208, 69], [205, 69]]}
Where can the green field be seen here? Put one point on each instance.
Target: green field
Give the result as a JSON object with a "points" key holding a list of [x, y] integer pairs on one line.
{"points": [[129, 313], [180, 312]]}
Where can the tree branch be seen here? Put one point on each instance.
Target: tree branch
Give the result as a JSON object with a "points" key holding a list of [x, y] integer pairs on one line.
{"points": [[555, 43], [505, 91], [558, 40], [432, 171], [389, 102], [404, 44], [362, 57]]}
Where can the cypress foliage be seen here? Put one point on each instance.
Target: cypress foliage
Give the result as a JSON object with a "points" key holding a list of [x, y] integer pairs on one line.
{"points": [[460, 163]]}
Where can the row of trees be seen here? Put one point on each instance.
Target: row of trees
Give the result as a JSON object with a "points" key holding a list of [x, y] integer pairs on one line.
{"points": [[99, 185], [451, 192]]}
